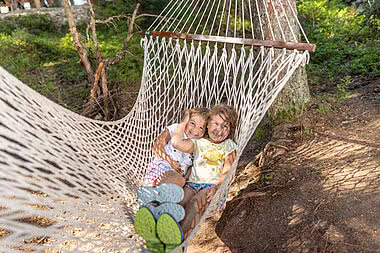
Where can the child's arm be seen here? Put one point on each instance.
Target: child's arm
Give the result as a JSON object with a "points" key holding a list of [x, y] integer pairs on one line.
{"points": [[158, 149], [188, 173], [228, 161], [178, 141]]}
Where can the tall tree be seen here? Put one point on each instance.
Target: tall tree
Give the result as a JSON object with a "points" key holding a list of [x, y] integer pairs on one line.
{"points": [[296, 94]]}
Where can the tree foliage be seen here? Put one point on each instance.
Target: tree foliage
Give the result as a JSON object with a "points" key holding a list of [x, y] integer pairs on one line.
{"points": [[346, 43], [42, 55]]}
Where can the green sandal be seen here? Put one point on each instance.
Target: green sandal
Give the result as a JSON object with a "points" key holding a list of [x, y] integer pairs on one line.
{"points": [[145, 226], [169, 232]]}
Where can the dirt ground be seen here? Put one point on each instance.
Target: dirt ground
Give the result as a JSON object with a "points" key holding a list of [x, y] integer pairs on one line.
{"points": [[318, 190]]}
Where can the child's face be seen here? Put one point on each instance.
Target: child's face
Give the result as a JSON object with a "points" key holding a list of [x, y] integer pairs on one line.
{"points": [[196, 127], [218, 129]]}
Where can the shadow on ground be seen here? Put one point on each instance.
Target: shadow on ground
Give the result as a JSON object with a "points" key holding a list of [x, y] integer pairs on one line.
{"points": [[321, 196]]}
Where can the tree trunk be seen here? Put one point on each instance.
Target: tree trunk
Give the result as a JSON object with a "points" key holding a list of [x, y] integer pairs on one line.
{"points": [[293, 97], [296, 94], [37, 4]]}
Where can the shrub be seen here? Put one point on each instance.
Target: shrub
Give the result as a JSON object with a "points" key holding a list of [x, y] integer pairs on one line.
{"points": [[345, 41], [34, 24]]}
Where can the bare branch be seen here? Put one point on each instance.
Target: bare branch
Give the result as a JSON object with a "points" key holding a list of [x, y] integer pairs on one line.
{"points": [[87, 33], [82, 51], [93, 29], [121, 55], [95, 85], [110, 19], [100, 105], [138, 28], [131, 24], [129, 52], [105, 93], [147, 15], [99, 79]]}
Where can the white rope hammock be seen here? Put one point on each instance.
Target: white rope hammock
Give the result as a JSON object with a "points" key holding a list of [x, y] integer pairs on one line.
{"points": [[68, 182]]}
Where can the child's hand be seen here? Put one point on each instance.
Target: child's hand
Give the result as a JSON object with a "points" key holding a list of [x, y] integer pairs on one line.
{"points": [[159, 151], [188, 173], [176, 166], [186, 116]]}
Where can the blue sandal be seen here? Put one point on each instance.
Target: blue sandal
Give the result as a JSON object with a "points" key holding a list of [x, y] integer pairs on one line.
{"points": [[160, 193], [145, 226], [175, 210], [169, 232]]}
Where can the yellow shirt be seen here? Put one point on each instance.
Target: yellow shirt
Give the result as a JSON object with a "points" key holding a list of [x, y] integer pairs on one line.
{"points": [[209, 160]]}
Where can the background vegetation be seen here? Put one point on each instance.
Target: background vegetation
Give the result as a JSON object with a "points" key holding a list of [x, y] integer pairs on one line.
{"points": [[42, 55], [347, 38]]}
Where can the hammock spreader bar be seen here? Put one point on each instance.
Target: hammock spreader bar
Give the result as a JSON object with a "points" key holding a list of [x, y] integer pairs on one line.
{"points": [[238, 41]]}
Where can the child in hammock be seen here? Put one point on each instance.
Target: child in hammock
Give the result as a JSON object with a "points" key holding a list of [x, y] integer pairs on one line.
{"points": [[213, 158], [171, 165], [164, 180]]}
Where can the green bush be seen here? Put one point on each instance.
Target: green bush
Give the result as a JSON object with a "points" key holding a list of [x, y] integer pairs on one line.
{"points": [[346, 44], [372, 15], [17, 53], [7, 26], [34, 24]]}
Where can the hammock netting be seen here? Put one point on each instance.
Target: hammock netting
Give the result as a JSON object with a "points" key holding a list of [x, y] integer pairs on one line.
{"points": [[69, 183]]}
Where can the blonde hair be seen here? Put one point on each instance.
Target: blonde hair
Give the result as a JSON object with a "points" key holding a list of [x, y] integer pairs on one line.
{"points": [[202, 111], [228, 114]]}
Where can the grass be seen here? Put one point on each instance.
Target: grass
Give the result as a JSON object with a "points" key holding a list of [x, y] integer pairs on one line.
{"points": [[49, 63], [324, 108]]}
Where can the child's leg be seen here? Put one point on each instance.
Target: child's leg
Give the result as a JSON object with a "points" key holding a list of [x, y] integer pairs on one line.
{"points": [[188, 195], [172, 177], [194, 210]]}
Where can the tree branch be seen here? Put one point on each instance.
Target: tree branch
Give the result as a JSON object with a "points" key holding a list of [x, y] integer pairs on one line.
{"points": [[105, 93], [130, 30], [95, 85], [121, 55], [110, 19], [99, 79], [93, 30], [82, 51]]}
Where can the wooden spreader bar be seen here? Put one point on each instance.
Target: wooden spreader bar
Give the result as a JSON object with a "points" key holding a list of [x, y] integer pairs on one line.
{"points": [[239, 41]]}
